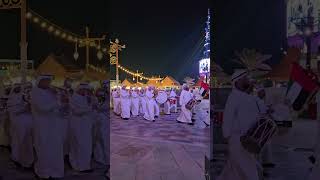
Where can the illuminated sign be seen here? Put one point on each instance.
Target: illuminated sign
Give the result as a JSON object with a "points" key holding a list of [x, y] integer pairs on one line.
{"points": [[204, 66], [298, 9]]}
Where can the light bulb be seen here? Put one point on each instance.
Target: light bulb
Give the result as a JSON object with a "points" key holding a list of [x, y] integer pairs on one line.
{"points": [[29, 15], [100, 55], [76, 55]]}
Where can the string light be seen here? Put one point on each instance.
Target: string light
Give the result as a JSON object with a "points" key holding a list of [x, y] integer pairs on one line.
{"points": [[58, 31]]}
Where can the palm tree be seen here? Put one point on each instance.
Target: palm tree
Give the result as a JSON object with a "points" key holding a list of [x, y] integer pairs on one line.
{"points": [[254, 61]]}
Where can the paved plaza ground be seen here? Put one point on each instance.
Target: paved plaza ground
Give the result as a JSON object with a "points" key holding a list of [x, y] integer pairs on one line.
{"points": [[8, 171], [160, 150], [291, 150]]}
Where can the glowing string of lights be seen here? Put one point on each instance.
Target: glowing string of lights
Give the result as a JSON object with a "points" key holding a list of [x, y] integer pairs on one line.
{"points": [[72, 37]]}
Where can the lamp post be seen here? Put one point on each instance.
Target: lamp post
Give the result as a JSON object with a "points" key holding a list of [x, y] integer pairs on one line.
{"points": [[115, 47], [87, 42], [305, 24]]}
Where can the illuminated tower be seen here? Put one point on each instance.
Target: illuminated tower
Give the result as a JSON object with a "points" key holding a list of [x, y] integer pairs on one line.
{"points": [[204, 63]]}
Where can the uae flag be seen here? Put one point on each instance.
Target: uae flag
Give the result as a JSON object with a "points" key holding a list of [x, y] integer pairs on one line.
{"points": [[301, 88], [204, 89]]}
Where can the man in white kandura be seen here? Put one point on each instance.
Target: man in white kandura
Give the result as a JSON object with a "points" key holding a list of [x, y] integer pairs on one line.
{"points": [[156, 105], [48, 137], [116, 101], [135, 102], [266, 154], [173, 97], [149, 114], [167, 106], [125, 103], [186, 114], [81, 124], [4, 118], [20, 128], [102, 129], [240, 115], [143, 103]]}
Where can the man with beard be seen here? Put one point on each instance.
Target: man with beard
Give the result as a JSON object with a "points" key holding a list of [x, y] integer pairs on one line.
{"points": [[240, 115]]}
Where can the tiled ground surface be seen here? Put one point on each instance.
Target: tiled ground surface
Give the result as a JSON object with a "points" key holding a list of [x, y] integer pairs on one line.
{"points": [[161, 150], [8, 171], [290, 152]]}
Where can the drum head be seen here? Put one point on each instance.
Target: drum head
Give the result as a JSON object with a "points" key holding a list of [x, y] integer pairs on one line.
{"points": [[162, 97]]}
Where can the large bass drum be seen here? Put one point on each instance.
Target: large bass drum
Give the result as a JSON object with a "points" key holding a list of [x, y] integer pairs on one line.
{"points": [[162, 97], [259, 135]]}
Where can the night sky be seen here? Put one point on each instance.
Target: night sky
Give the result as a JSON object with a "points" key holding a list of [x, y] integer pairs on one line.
{"points": [[162, 37], [258, 24]]}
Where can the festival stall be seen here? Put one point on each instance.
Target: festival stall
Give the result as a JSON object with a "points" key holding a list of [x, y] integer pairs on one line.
{"points": [[169, 82]]}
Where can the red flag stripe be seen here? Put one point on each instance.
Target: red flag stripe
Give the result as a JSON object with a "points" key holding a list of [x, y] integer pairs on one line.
{"points": [[300, 76]]}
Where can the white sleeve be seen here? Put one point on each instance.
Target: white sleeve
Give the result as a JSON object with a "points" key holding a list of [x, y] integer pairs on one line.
{"points": [[228, 117], [41, 102]]}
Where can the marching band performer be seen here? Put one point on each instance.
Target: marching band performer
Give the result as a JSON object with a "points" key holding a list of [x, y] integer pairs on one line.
{"points": [[101, 144], [149, 114], [143, 103], [48, 139], [185, 115], [135, 102], [81, 124], [167, 105], [125, 103], [20, 128], [116, 101], [266, 154], [173, 98], [155, 103], [240, 115]]}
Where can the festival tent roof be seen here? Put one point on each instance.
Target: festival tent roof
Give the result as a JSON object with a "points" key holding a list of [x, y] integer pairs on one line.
{"points": [[281, 71], [169, 82], [152, 83], [126, 82]]}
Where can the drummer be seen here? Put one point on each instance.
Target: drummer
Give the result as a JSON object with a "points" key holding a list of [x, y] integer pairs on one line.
{"points": [[173, 98], [240, 115], [266, 154], [167, 104], [186, 114]]}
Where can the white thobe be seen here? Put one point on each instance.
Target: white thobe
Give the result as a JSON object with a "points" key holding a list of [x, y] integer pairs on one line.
{"points": [[167, 107], [185, 115], [125, 103], [266, 153], [149, 114], [81, 133], [48, 134], [20, 131], [134, 103], [116, 102], [143, 103], [240, 115], [102, 136], [173, 95], [156, 108], [4, 128], [202, 116]]}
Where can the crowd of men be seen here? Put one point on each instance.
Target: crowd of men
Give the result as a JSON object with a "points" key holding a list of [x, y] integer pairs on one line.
{"points": [[132, 102], [243, 109], [45, 125]]}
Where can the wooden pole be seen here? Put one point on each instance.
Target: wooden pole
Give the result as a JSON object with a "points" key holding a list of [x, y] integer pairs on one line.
{"points": [[87, 48], [23, 43]]}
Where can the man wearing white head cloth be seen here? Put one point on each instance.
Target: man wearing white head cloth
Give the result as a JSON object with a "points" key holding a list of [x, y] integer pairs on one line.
{"points": [[125, 103], [143, 103], [81, 131], [240, 115], [173, 98], [156, 105], [48, 125], [116, 101], [186, 114], [149, 114], [20, 128], [135, 102]]}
